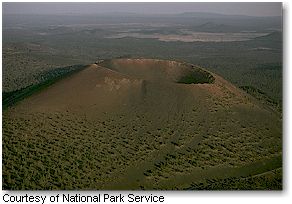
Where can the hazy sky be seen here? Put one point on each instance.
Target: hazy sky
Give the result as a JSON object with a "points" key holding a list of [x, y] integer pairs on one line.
{"points": [[252, 9]]}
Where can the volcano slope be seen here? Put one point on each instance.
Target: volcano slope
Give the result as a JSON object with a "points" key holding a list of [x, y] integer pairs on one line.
{"points": [[141, 124]]}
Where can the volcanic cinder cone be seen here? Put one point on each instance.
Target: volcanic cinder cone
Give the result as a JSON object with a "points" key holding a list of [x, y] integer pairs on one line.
{"points": [[138, 124]]}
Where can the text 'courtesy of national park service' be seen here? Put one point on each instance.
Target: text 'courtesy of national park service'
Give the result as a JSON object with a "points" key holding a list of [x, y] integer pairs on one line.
{"points": [[107, 97], [78, 198]]}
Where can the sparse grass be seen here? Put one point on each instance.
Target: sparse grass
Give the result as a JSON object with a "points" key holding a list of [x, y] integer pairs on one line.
{"points": [[271, 180], [263, 97], [66, 151]]}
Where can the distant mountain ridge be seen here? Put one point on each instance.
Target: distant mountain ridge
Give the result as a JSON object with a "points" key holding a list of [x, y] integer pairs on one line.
{"points": [[215, 27], [219, 15]]}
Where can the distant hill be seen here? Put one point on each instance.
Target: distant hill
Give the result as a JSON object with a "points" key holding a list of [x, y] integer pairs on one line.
{"points": [[227, 23], [212, 15], [214, 27]]}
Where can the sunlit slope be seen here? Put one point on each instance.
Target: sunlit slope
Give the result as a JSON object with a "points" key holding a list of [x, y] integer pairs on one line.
{"points": [[138, 124]]}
